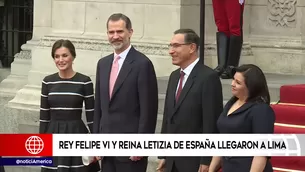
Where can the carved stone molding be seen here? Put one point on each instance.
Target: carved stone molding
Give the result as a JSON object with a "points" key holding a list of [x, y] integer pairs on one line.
{"points": [[282, 13], [24, 54], [160, 49], [103, 45], [211, 49]]}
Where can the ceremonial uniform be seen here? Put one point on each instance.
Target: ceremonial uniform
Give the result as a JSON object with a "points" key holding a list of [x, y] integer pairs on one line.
{"points": [[228, 15]]}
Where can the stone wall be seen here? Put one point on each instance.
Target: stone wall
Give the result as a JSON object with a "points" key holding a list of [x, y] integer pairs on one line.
{"points": [[277, 35], [273, 37]]}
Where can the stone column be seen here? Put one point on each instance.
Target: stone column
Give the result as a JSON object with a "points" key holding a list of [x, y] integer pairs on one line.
{"points": [[22, 64], [302, 25]]}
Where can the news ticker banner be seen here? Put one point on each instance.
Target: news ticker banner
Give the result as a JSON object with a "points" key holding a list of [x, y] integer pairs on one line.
{"points": [[152, 145]]}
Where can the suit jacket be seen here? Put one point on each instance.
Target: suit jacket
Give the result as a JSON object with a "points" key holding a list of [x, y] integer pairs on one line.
{"points": [[133, 107], [197, 110], [1, 167]]}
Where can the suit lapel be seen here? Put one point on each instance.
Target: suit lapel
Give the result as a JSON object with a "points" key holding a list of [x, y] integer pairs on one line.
{"points": [[244, 107], [185, 90], [105, 76], [186, 87], [125, 70], [172, 88]]}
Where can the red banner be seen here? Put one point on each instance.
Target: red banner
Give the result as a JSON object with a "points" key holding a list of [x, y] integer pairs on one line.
{"points": [[26, 145]]}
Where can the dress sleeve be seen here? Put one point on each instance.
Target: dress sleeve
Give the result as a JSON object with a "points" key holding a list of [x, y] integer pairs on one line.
{"points": [[44, 118], [263, 119], [89, 103]]}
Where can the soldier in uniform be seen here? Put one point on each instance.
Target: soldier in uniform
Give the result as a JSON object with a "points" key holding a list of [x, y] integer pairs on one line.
{"points": [[228, 15]]}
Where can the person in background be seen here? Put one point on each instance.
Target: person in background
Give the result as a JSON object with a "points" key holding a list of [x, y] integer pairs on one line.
{"points": [[62, 97], [248, 111], [193, 100], [228, 15], [1, 167], [126, 93]]}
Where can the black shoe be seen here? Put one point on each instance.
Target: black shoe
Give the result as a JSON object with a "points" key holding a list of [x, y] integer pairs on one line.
{"points": [[228, 73], [219, 70], [222, 51]]}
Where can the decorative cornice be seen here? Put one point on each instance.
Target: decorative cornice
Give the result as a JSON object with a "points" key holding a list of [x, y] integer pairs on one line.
{"points": [[291, 43], [160, 49], [211, 49], [24, 54], [103, 45]]}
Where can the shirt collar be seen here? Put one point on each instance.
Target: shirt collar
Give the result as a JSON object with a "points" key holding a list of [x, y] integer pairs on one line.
{"points": [[190, 67], [123, 54]]}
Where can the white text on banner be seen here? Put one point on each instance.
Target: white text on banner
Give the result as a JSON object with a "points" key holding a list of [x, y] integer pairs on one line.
{"points": [[177, 145]]}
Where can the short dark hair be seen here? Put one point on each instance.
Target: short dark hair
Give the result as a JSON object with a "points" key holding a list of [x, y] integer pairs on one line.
{"points": [[120, 16], [63, 43], [256, 83], [190, 36]]}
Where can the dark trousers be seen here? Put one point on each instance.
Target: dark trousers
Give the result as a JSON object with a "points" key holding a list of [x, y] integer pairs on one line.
{"points": [[228, 15], [113, 164], [2, 169], [174, 169]]}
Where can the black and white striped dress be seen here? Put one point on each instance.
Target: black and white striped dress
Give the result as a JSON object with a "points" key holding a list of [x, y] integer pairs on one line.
{"points": [[61, 112]]}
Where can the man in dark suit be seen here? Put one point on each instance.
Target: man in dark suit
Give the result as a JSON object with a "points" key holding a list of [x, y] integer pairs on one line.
{"points": [[126, 99], [1, 167], [193, 100]]}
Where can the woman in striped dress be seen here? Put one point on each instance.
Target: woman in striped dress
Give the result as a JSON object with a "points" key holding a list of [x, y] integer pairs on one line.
{"points": [[62, 97]]}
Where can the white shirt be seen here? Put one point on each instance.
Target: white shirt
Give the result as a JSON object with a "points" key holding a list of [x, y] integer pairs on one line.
{"points": [[122, 57], [187, 71]]}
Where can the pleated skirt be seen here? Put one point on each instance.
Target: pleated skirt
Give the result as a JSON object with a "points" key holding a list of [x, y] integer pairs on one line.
{"points": [[68, 164]]}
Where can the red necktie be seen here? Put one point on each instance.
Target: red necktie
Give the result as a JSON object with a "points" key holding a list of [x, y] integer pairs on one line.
{"points": [[180, 85]]}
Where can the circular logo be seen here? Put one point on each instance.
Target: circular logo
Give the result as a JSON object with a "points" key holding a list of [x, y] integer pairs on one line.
{"points": [[34, 145]]}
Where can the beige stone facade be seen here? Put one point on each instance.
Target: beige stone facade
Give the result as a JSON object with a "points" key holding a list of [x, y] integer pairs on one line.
{"points": [[273, 39]]}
